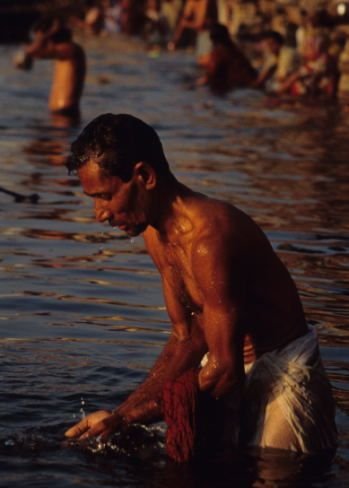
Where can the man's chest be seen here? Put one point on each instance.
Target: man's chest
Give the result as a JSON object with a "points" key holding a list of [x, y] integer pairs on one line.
{"points": [[176, 267]]}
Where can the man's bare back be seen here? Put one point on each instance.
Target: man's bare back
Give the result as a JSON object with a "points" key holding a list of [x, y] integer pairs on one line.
{"points": [[68, 78]]}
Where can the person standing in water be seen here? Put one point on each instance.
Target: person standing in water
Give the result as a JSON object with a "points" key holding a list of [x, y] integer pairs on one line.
{"points": [[235, 312], [226, 67], [193, 21], [53, 40]]}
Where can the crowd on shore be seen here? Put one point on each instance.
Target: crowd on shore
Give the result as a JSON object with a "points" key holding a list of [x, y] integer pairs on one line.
{"points": [[280, 47]]}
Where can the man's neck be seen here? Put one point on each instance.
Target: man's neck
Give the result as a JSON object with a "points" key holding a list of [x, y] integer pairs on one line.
{"points": [[170, 212]]}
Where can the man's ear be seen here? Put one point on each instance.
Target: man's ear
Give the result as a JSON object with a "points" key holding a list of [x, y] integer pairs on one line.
{"points": [[145, 175]]}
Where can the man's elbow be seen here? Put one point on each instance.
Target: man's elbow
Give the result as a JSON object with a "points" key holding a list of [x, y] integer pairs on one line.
{"points": [[217, 379]]}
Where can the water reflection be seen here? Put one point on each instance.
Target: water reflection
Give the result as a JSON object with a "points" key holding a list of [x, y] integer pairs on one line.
{"points": [[62, 121], [142, 448], [81, 308], [51, 143]]}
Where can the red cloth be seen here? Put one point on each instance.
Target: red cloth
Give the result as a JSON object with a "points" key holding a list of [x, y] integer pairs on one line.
{"points": [[195, 421], [180, 399]]}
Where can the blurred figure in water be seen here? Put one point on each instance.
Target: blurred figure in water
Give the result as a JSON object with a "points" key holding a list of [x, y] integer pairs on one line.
{"points": [[53, 40], [226, 67], [192, 27], [155, 28], [269, 46], [94, 18], [112, 12], [132, 16], [225, 13], [170, 10], [317, 73], [288, 59], [160, 21]]}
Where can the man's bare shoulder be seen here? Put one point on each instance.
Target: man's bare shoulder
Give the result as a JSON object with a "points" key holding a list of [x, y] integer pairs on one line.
{"points": [[208, 226], [225, 232], [72, 51], [213, 216]]}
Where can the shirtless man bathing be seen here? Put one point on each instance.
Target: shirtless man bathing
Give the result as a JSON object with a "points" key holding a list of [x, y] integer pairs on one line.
{"points": [[52, 40], [229, 298]]}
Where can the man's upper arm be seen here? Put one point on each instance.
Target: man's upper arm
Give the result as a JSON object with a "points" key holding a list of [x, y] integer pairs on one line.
{"points": [[175, 309], [219, 272], [170, 285]]}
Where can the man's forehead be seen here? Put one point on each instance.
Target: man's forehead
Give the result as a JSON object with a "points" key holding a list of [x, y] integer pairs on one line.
{"points": [[101, 158], [93, 178], [91, 169]]}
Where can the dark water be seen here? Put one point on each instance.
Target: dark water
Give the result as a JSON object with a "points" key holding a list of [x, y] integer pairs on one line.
{"points": [[81, 312]]}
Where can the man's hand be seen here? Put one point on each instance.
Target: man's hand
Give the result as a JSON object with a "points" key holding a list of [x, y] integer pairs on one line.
{"points": [[98, 424], [22, 60], [217, 377]]}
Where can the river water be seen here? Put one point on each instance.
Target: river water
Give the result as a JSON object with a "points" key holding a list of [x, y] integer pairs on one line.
{"points": [[82, 316]]}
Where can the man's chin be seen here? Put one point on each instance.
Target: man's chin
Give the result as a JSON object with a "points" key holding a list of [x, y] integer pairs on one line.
{"points": [[135, 231]]}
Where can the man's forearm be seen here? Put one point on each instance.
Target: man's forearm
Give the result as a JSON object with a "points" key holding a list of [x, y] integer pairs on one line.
{"points": [[39, 47], [35, 47], [145, 403]]}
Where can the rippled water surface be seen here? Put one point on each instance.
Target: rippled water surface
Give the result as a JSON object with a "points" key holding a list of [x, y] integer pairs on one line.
{"points": [[82, 316]]}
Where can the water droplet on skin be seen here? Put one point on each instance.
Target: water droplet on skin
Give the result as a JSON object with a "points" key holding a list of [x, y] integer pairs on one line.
{"points": [[82, 411]]}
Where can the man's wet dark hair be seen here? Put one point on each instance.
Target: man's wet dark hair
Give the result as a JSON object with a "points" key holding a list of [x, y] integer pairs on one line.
{"points": [[124, 140]]}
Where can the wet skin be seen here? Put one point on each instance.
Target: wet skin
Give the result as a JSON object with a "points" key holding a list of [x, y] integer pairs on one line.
{"points": [[226, 291]]}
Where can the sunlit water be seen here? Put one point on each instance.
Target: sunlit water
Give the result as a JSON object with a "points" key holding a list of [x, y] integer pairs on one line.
{"points": [[82, 316]]}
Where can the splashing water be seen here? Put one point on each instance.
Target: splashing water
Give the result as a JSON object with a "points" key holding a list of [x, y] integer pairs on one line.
{"points": [[82, 411], [136, 442]]}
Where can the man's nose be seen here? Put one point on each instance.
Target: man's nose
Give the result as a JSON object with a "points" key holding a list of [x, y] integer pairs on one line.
{"points": [[102, 213]]}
